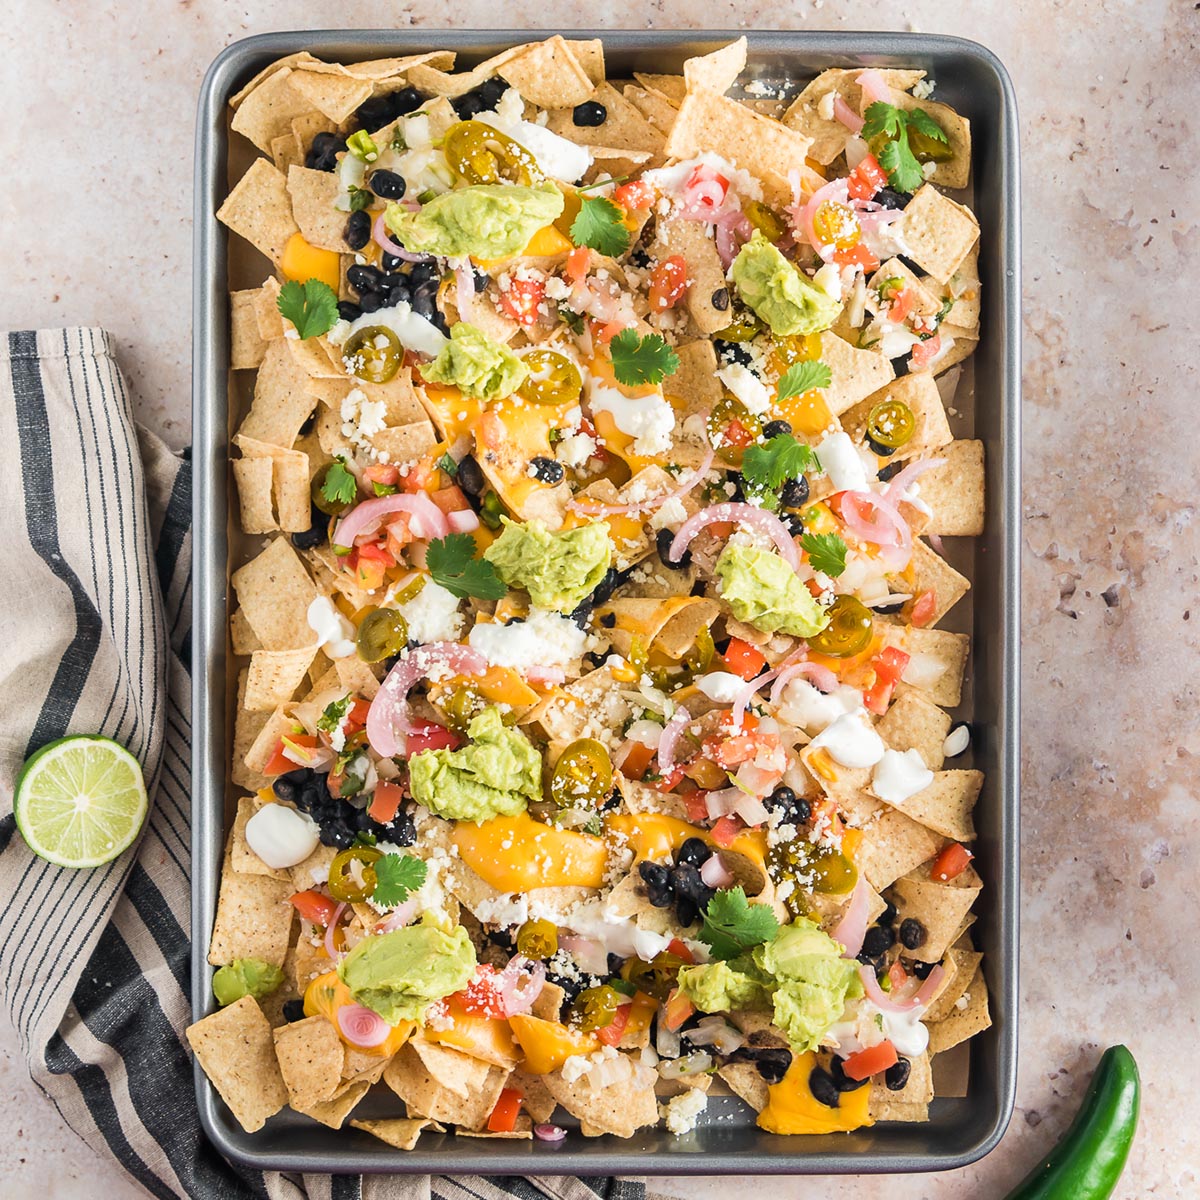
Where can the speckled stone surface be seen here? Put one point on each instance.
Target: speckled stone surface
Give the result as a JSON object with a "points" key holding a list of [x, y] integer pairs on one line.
{"points": [[98, 101]]}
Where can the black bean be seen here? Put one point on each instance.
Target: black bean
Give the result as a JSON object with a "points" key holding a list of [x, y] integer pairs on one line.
{"points": [[657, 879], [793, 809], [901, 365], [293, 1010], [371, 301], [720, 299], [287, 787], [772, 1062], [695, 851], [841, 1080], [912, 933], [439, 322], [402, 831], [572, 987], [490, 90], [878, 940], [390, 262], [794, 522], [397, 291], [310, 796], [609, 621], [423, 304], [548, 470], [889, 914], [315, 534], [640, 257], [405, 101], [774, 429], [879, 448], [363, 278], [794, 492], [603, 591], [922, 970], [886, 474], [589, 114], [687, 912], [732, 352], [423, 272], [388, 185], [348, 310], [470, 476], [824, 1090], [889, 608], [663, 540], [322, 155], [891, 199], [358, 229], [874, 961], [467, 107], [896, 1076], [686, 882]]}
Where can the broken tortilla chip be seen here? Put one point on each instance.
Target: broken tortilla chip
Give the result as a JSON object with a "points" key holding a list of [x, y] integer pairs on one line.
{"points": [[310, 1057], [258, 210]]}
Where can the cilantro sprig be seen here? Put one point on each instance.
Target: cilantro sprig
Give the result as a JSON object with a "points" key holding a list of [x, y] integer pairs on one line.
{"points": [[311, 306], [601, 225], [826, 552], [802, 377], [451, 562], [397, 876], [335, 712], [339, 486], [896, 156], [637, 360], [732, 925], [769, 467]]}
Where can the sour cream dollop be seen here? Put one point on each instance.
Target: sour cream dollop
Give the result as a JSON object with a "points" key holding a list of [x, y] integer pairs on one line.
{"points": [[900, 775], [335, 635], [851, 741], [281, 837]]}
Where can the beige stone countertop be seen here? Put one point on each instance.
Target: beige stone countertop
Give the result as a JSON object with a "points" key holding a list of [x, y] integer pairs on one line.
{"points": [[98, 102]]}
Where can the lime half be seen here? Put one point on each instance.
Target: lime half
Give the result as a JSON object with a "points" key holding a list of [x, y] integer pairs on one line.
{"points": [[80, 801]]}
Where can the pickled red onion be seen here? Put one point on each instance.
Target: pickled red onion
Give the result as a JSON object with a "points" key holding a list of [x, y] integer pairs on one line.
{"points": [[745, 695], [899, 483], [362, 1026], [670, 736], [463, 521], [388, 714], [730, 230], [379, 233], [821, 678], [520, 984], [844, 113], [426, 519], [398, 917], [837, 192], [742, 514], [852, 928], [874, 85], [886, 528], [330, 946], [653, 502], [714, 873], [886, 1003], [549, 1133]]}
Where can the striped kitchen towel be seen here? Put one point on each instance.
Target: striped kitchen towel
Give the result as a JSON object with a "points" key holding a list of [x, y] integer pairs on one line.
{"points": [[95, 620]]}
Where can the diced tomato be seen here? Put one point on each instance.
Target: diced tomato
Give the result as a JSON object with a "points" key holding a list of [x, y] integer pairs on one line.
{"points": [[900, 304], [678, 1009], [577, 264], [923, 610], [734, 751], [490, 431], [280, 764], [399, 535], [743, 659], [637, 761], [371, 562], [421, 476], [386, 801], [866, 179], [870, 1061], [889, 665], [606, 332], [314, 906], [430, 736], [726, 829], [522, 300], [504, 1115], [858, 255], [951, 863], [668, 283], [385, 474], [923, 352], [748, 723], [611, 1033], [897, 974], [636, 194], [450, 499], [670, 779], [677, 947], [736, 434], [481, 996], [697, 808]]}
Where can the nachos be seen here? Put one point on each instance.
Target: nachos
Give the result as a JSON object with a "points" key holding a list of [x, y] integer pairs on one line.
{"points": [[591, 749]]}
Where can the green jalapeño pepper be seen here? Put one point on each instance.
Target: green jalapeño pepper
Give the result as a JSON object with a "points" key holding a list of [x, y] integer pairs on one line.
{"points": [[1088, 1162]]}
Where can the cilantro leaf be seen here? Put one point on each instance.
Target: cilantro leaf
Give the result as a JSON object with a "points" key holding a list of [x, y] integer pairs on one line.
{"points": [[802, 377], [904, 172], [311, 306], [769, 467], [334, 713], [637, 360], [896, 156], [922, 122], [396, 877], [732, 925], [826, 552], [884, 118], [452, 563], [601, 225], [339, 486]]}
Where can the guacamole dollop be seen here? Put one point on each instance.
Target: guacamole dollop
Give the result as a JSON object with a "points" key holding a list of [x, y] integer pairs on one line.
{"points": [[496, 774], [556, 569], [813, 981], [245, 977], [489, 220], [778, 293], [476, 365], [765, 592], [722, 986], [400, 974]]}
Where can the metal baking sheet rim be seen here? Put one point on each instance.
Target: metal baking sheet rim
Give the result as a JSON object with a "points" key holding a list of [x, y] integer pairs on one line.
{"points": [[961, 1130]]}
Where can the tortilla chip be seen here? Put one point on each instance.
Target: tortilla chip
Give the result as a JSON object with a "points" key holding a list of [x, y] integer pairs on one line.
{"points": [[254, 478], [535, 1096], [312, 194], [965, 1022], [274, 676], [310, 1057], [708, 293], [405, 443], [882, 1107], [961, 344], [931, 430], [430, 78], [614, 1109], [964, 288], [452, 1069], [656, 108], [254, 919], [548, 74], [671, 625], [952, 1071], [695, 383], [258, 209], [945, 806], [856, 373], [266, 310], [289, 60], [957, 172], [386, 73], [939, 907], [334, 1112], [913, 723], [673, 87], [590, 55], [892, 845], [243, 860], [938, 232], [758, 144], [246, 347], [336, 96], [424, 1096], [281, 402], [932, 573], [717, 71], [960, 966], [267, 112], [247, 729], [236, 1050], [624, 128], [242, 637], [286, 152], [943, 655], [275, 591], [289, 485], [397, 1131], [888, 1105], [745, 1082]]}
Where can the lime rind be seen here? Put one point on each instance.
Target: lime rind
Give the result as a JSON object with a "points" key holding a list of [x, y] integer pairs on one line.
{"points": [[80, 801]]}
